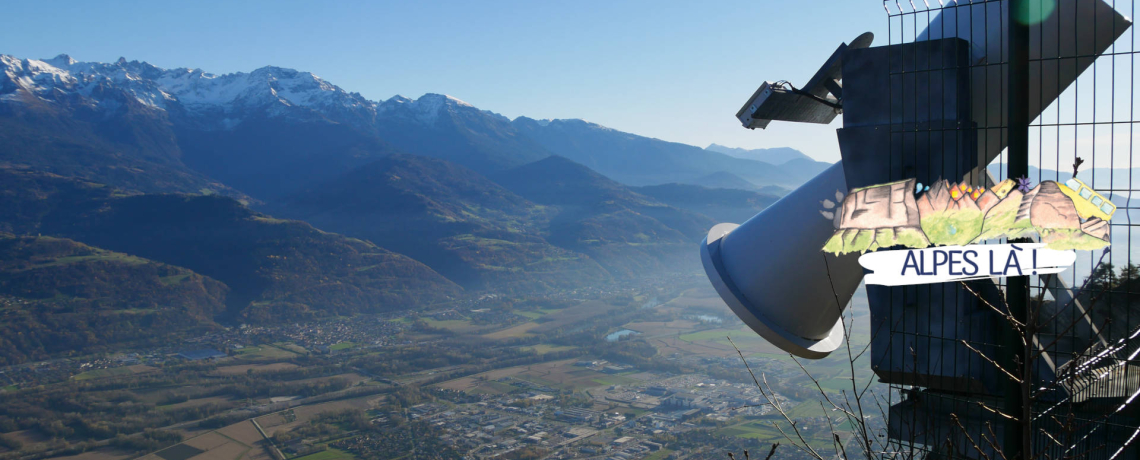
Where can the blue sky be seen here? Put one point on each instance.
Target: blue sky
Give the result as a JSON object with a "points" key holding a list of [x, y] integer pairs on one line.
{"points": [[668, 69]]}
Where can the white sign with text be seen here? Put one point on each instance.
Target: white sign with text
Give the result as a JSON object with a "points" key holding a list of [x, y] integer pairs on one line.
{"points": [[957, 263]]}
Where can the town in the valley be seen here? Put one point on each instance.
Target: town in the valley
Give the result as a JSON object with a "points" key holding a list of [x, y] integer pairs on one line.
{"points": [[646, 372]]}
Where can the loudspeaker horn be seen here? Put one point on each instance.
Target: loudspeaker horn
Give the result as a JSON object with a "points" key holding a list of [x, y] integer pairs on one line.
{"points": [[772, 272]]}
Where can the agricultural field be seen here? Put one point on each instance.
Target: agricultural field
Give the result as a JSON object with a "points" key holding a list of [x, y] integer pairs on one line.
{"points": [[570, 316], [711, 343], [330, 454], [536, 314], [522, 330], [242, 440], [654, 329], [100, 454], [265, 353], [244, 368], [543, 348], [613, 379], [341, 346], [754, 429], [743, 336], [461, 326], [703, 297], [102, 373], [761, 429], [218, 444], [287, 420], [196, 402], [287, 346], [351, 378], [114, 371], [557, 374]]}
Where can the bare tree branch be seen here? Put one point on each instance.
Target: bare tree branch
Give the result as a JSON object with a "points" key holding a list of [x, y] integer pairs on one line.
{"points": [[993, 440], [991, 361], [850, 360], [981, 452], [776, 404], [772, 452]]}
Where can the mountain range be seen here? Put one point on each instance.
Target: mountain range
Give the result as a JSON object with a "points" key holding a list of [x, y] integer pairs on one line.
{"points": [[293, 198], [266, 132], [637, 160], [776, 156]]}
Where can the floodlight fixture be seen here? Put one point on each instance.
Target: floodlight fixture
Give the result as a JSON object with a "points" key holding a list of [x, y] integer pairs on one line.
{"points": [[818, 101]]}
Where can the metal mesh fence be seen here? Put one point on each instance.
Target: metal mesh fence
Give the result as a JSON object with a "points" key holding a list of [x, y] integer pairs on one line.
{"points": [[955, 354]]}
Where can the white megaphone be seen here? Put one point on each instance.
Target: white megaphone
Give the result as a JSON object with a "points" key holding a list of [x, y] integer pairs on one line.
{"points": [[772, 272]]}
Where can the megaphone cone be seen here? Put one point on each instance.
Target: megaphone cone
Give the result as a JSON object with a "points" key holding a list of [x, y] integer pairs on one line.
{"points": [[772, 272]]}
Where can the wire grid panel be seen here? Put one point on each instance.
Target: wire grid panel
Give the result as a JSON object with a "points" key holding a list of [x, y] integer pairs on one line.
{"points": [[947, 88]]}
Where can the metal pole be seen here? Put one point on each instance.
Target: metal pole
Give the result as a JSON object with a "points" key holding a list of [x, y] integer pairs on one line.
{"points": [[1018, 434]]}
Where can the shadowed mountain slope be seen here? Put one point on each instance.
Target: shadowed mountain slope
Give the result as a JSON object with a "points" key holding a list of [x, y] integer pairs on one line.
{"points": [[276, 269], [58, 295], [625, 231], [468, 228]]}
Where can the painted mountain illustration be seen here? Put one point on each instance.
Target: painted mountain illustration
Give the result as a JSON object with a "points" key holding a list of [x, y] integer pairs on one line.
{"points": [[1069, 215]]}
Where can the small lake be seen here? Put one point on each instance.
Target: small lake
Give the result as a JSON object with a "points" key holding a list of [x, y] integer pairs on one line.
{"points": [[615, 336]]}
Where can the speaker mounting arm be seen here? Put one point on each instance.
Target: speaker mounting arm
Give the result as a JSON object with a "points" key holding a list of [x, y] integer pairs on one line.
{"points": [[818, 101]]}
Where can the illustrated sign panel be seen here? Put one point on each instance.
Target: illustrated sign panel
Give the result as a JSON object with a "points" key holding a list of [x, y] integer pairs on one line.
{"points": [[933, 232]]}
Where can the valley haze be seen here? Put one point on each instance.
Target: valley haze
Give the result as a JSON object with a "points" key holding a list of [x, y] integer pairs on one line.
{"points": [[195, 256]]}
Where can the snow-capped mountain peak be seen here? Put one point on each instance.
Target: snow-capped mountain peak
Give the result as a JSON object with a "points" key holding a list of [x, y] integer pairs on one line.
{"points": [[426, 109], [271, 90], [30, 76], [62, 61], [215, 101], [564, 123], [397, 99]]}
